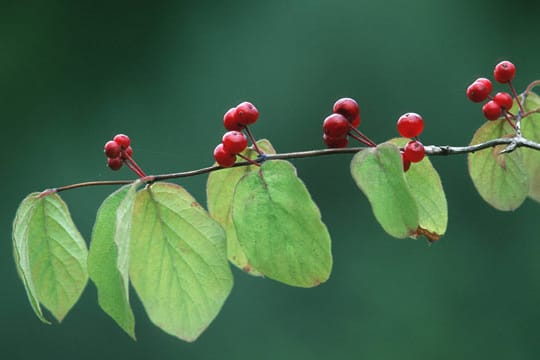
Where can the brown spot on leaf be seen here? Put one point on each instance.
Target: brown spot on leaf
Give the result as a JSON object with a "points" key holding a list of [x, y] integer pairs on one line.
{"points": [[195, 204], [247, 268], [317, 282], [431, 236]]}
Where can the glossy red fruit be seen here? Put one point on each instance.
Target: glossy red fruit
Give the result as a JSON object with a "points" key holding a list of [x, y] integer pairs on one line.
{"points": [[234, 142], [122, 140], [230, 121], [223, 157], [492, 110], [336, 126], [246, 113], [504, 100], [347, 107], [115, 163], [504, 72], [414, 151], [478, 91], [406, 163], [355, 123], [486, 82], [336, 142], [112, 149], [410, 125]]}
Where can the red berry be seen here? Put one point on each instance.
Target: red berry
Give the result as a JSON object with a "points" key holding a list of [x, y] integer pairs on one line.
{"points": [[127, 153], [230, 121], [223, 157], [504, 100], [406, 163], [336, 126], [355, 123], [478, 91], [234, 142], [122, 140], [115, 163], [335, 142], [414, 151], [246, 113], [504, 72], [410, 125], [112, 149], [486, 82], [492, 110], [348, 108]]}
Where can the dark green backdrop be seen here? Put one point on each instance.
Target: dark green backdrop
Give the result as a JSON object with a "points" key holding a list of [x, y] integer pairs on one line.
{"points": [[75, 73]]}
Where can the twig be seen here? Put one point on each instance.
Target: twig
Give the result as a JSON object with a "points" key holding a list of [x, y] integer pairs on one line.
{"points": [[432, 150]]}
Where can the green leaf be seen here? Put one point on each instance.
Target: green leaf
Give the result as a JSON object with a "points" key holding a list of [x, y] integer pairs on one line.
{"points": [[279, 226], [179, 264], [501, 179], [21, 251], [50, 254], [219, 192], [378, 172], [530, 129], [425, 186], [109, 256]]}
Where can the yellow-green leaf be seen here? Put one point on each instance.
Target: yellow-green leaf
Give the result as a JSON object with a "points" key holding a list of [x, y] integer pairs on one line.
{"points": [[378, 172], [530, 128], [279, 226], [50, 254], [501, 179], [425, 186], [219, 192], [109, 256], [178, 263]]}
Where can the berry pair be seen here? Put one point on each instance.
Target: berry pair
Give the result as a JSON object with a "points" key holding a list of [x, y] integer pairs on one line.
{"points": [[119, 150], [337, 126], [481, 88], [232, 144], [411, 125], [237, 118]]}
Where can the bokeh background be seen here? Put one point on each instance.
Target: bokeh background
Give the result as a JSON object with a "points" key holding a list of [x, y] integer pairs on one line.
{"points": [[75, 73]]}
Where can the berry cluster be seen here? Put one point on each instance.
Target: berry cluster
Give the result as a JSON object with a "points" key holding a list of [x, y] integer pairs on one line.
{"points": [[234, 141], [343, 123], [481, 88], [411, 125], [119, 150], [237, 118]]}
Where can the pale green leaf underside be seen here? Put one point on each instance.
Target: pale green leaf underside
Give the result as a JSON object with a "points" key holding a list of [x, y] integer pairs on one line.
{"points": [[378, 172], [179, 264], [219, 192], [501, 179], [530, 128], [109, 255], [50, 254], [425, 186], [279, 226]]}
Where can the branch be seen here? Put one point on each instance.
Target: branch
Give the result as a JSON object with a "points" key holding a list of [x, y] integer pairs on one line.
{"points": [[513, 143], [433, 150]]}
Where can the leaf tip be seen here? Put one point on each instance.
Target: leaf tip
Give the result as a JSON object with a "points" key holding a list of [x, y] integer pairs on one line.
{"points": [[431, 236]]}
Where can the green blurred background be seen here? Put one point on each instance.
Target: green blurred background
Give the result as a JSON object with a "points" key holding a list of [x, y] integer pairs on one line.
{"points": [[75, 73]]}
